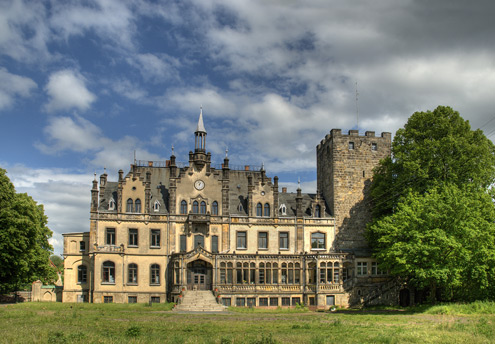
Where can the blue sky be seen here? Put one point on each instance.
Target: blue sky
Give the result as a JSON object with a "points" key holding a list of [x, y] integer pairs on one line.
{"points": [[85, 83]]}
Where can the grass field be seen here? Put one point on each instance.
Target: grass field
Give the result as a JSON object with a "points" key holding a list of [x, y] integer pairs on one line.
{"points": [[137, 323]]}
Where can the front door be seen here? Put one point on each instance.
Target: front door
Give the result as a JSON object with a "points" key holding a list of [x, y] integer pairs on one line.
{"points": [[199, 275]]}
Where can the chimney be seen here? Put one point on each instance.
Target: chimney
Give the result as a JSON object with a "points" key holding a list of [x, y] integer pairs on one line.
{"points": [[284, 189]]}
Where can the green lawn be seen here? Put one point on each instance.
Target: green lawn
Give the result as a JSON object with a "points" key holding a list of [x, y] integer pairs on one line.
{"points": [[138, 323]]}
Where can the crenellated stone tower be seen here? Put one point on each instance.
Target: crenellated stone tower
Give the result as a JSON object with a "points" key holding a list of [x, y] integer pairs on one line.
{"points": [[345, 166]]}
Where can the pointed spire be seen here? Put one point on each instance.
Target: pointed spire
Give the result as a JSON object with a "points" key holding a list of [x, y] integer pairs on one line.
{"points": [[201, 126]]}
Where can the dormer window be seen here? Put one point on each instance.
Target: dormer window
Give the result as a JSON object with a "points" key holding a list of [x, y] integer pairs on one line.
{"points": [[283, 209], [111, 204], [156, 206], [317, 211], [240, 208]]}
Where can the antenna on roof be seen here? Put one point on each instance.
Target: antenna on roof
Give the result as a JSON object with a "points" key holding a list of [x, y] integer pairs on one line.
{"points": [[357, 109]]}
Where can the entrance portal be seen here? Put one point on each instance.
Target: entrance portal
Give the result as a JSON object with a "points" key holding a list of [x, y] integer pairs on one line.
{"points": [[199, 275]]}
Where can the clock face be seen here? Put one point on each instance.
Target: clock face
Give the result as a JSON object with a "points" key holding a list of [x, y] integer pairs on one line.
{"points": [[199, 184]]}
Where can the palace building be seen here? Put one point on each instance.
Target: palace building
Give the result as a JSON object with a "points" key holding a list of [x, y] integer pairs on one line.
{"points": [[166, 227]]}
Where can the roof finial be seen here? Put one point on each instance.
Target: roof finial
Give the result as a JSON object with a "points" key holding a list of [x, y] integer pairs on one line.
{"points": [[95, 177], [226, 152], [104, 170], [172, 149], [262, 165], [299, 182], [201, 126]]}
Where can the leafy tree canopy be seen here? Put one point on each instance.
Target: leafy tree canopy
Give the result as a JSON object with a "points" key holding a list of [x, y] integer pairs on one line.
{"points": [[442, 239], [433, 213], [433, 148], [24, 247]]}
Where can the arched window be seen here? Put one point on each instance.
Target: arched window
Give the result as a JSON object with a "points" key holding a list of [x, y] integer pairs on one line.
{"points": [[317, 241], [283, 209], [82, 274], [202, 207], [259, 210], [199, 240], [267, 210], [108, 272], [183, 207], [155, 274], [214, 208], [195, 207], [132, 273], [156, 206], [317, 211], [137, 206], [130, 203]]}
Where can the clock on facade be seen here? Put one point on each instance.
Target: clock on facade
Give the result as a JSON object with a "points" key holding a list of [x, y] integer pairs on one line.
{"points": [[199, 184]]}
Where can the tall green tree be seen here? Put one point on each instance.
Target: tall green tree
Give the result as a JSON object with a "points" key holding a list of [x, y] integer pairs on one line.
{"points": [[433, 212], [433, 148], [24, 246], [443, 239]]}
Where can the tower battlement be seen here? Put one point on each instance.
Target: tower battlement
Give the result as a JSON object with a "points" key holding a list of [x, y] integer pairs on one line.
{"points": [[334, 133]]}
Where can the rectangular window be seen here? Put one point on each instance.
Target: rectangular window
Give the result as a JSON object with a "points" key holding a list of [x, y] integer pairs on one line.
{"points": [[241, 240], [273, 301], [107, 299], [155, 238], [296, 301], [286, 301], [284, 240], [251, 302], [330, 300], [133, 237], [82, 274], [362, 268], [374, 147], [351, 145], [110, 236], [132, 299], [155, 299], [82, 246], [375, 270], [183, 243], [214, 244], [263, 301], [318, 241], [263, 240], [226, 301], [240, 302]]}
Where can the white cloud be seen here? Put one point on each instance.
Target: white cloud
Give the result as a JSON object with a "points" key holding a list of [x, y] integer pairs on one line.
{"points": [[12, 86], [67, 90], [64, 194], [158, 68], [80, 135], [110, 19]]}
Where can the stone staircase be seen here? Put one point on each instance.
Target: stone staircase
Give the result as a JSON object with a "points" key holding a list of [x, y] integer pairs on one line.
{"points": [[199, 301]]}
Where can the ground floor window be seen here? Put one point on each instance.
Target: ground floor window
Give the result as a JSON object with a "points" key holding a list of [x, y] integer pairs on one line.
{"points": [[155, 299], [296, 301], [107, 299], [240, 302], [311, 301], [263, 301], [273, 301], [286, 301], [251, 302], [226, 301], [132, 299]]}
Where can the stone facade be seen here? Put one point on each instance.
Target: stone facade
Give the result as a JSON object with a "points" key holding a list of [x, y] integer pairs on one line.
{"points": [[166, 227], [345, 166]]}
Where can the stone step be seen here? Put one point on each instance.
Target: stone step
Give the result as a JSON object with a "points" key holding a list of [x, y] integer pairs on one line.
{"points": [[199, 301]]}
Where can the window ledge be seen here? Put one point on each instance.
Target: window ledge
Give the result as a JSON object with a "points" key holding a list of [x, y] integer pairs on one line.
{"points": [[155, 247], [132, 284], [262, 249], [108, 283], [283, 249], [318, 249], [132, 246], [154, 285], [241, 248]]}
